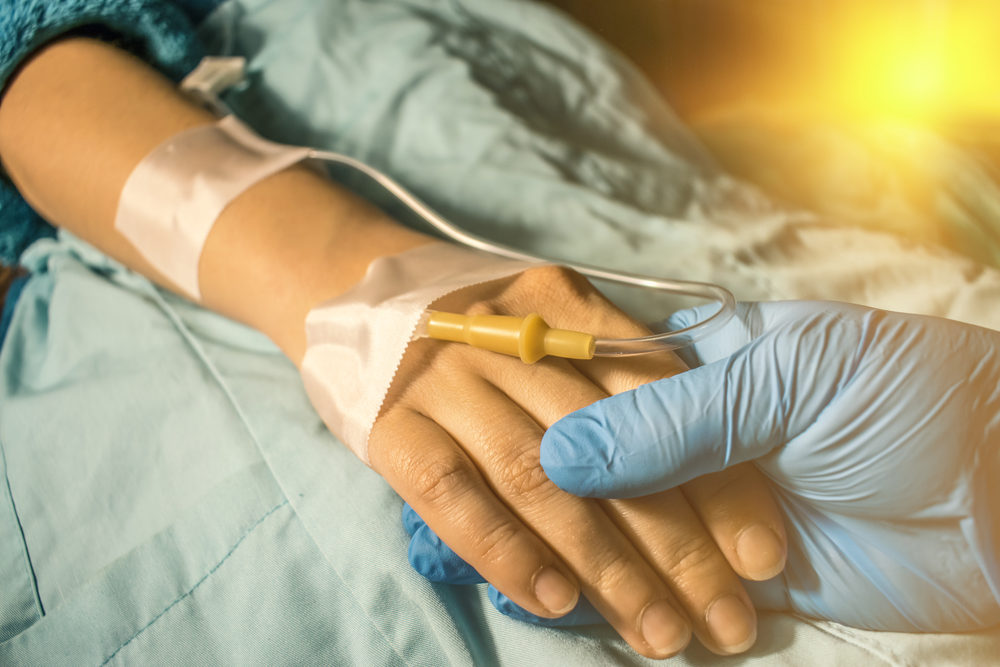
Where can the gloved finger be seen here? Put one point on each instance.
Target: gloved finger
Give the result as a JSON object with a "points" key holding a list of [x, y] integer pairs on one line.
{"points": [[750, 321], [411, 520], [583, 613], [431, 557], [435, 560], [735, 409], [743, 327]]}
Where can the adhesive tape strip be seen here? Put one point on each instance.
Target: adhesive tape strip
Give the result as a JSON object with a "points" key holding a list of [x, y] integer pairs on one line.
{"points": [[174, 196], [355, 342]]}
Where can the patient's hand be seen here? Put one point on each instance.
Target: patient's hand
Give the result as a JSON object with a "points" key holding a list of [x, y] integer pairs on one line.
{"points": [[459, 440]]}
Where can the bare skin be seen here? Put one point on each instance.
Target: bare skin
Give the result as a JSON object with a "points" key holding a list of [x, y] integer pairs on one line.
{"points": [[459, 435]]}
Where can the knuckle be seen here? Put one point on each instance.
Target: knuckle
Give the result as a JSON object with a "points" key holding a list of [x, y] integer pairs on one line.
{"points": [[440, 479], [572, 302], [521, 475], [483, 307], [498, 544], [612, 570], [561, 295], [556, 280], [553, 275], [723, 494], [690, 558]]}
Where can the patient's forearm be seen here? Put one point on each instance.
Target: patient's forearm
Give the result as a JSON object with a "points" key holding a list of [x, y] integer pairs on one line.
{"points": [[81, 115]]}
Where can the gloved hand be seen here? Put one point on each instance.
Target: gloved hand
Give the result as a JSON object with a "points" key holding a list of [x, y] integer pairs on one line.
{"points": [[880, 433]]}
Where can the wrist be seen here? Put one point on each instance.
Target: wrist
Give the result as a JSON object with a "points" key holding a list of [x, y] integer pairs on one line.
{"points": [[290, 242]]}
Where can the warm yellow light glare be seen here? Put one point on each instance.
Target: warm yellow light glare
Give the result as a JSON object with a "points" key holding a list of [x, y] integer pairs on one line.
{"points": [[919, 60], [919, 80]]}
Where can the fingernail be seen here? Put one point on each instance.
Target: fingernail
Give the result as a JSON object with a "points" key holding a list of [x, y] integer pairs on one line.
{"points": [[731, 624], [760, 552], [663, 629], [555, 591]]}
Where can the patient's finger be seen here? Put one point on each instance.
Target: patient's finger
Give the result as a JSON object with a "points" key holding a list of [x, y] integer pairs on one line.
{"points": [[583, 614], [437, 562], [737, 507], [664, 527], [427, 468], [503, 441], [671, 537]]}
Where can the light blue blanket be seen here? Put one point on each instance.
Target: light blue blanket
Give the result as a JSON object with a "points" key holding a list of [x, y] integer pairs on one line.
{"points": [[167, 494]]}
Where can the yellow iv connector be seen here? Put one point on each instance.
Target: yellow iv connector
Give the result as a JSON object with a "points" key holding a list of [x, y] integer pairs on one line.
{"points": [[529, 338]]}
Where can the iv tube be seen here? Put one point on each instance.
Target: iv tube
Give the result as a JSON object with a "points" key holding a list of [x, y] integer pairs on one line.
{"points": [[603, 347], [214, 75]]}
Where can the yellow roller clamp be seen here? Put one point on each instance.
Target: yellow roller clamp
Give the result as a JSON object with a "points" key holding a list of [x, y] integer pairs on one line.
{"points": [[529, 338]]}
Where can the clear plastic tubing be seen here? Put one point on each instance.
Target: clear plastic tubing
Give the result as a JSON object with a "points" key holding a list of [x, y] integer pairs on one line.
{"points": [[603, 347], [214, 75]]}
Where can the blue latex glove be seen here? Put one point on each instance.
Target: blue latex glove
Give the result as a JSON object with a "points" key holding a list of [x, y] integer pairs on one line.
{"points": [[880, 431]]}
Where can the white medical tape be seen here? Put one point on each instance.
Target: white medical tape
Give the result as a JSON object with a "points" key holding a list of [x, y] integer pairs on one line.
{"points": [[355, 342], [174, 196]]}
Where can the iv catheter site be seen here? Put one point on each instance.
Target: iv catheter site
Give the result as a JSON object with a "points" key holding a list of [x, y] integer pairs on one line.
{"points": [[529, 337]]}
